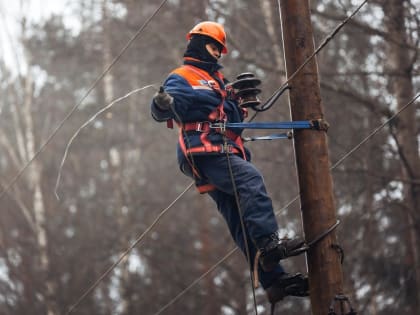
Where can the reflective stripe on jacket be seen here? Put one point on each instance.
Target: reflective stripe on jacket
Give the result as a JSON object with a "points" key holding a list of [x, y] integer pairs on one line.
{"points": [[195, 98]]}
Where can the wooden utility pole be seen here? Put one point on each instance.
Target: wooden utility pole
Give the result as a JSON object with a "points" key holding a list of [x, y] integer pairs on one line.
{"points": [[311, 150]]}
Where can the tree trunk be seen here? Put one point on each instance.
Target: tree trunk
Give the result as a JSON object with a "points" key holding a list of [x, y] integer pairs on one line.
{"points": [[267, 11], [401, 61], [35, 180], [107, 54]]}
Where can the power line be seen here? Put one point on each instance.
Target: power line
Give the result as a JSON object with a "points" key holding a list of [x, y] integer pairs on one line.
{"points": [[229, 254], [233, 250], [226, 257], [129, 249], [320, 47], [164, 211], [66, 151], [75, 107], [326, 40], [197, 281], [375, 132]]}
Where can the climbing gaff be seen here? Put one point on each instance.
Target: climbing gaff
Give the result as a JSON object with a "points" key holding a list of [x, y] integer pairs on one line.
{"points": [[316, 240]]}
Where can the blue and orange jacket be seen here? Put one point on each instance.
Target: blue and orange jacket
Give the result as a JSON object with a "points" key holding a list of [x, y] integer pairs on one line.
{"points": [[200, 96]]}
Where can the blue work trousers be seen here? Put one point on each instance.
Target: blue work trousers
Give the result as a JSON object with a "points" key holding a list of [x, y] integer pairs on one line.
{"points": [[255, 204]]}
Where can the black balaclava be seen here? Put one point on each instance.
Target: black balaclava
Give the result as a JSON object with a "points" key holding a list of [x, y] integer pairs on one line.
{"points": [[197, 48]]}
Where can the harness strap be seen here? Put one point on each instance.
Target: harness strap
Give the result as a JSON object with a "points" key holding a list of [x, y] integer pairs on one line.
{"points": [[207, 148], [202, 189], [205, 128], [184, 151], [217, 115]]}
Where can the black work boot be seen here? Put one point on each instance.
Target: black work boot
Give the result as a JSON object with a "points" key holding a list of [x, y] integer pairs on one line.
{"points": [[272, 250], [288, 285]]}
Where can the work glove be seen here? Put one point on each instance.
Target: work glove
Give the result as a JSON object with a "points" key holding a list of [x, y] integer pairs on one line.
{"points": [[162, 99], [230, 91]]}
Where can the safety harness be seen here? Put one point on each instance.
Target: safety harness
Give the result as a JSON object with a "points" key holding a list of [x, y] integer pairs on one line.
{"points": [[217, 123], [217, 116]]}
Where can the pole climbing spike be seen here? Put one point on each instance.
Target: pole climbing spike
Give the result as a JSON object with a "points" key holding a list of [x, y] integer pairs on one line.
{"points": [[310, 244]]}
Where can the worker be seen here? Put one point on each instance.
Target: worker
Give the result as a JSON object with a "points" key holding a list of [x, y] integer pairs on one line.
{"points": [[195, 95]]}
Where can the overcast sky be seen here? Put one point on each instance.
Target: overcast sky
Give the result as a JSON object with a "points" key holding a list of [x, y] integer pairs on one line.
{"points": [[11, 12]]}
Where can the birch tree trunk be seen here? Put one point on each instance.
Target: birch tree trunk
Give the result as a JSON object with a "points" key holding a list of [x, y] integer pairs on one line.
{"points": [[401, 61], [34, 180], [108, 88], [107, 54], [269, 22], [20, 148]]}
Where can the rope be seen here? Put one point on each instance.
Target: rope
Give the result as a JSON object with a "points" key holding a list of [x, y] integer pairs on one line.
{"points": [[244, 231], [123, 255], [75, 107]]}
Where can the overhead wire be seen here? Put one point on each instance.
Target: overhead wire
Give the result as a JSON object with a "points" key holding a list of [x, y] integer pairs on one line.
{"points": [[66, 150], [176, 298], [379, 128], [61, 124], [127, 251], [165, 210], [326, 40], [229, 254], [282, 88], [109, 270], [344, 157], [75, 107]]}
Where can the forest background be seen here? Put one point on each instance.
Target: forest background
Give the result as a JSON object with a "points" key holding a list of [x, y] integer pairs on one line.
{"points": [[121, 171]]}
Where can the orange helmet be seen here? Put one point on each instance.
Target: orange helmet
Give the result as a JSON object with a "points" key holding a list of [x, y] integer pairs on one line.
{"points": [[210, 29]]}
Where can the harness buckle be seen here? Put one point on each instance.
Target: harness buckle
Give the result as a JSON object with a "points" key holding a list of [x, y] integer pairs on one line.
{"points": [[219, 125], [226, 148], [212, 84], [201, 125]]}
